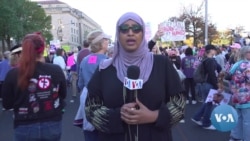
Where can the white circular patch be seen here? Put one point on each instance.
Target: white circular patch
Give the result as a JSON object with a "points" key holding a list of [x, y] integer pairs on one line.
{"points": [[44, 83]]}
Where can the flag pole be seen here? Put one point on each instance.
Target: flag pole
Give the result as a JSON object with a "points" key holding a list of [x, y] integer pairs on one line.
{"points": [[206, 22]]}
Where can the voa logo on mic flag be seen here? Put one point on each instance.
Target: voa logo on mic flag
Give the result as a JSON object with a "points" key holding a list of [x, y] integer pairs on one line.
{"points": [[133, 84], [224, 118]]}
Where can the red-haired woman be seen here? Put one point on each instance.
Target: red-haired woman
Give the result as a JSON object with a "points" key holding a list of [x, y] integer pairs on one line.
{"points": [[36, 91]]}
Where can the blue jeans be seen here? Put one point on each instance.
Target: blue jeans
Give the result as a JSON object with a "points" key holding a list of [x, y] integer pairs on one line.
{"points": [[91, 135], [204, 114], [204, 89], [44, 131], [242, 129]]}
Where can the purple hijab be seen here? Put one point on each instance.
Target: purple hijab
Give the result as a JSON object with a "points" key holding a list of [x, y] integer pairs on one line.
{"points": [[122, 60]]}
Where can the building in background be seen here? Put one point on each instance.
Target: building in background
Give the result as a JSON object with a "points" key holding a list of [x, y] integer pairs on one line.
{"points": [[69, 25]]}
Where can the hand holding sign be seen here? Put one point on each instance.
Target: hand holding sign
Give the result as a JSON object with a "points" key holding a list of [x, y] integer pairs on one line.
{"points": [[223, 98], [159, 33]]}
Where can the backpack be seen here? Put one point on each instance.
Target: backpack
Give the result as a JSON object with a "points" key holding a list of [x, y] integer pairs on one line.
{"points": [[199, 74], [196, 63]]}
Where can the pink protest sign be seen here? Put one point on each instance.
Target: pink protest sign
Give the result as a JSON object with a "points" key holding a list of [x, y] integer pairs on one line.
{"points": [[92, 60]]}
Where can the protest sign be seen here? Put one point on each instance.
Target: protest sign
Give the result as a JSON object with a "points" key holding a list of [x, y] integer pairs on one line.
{"points": [[225, 100], [55, 43], [173, 31]]}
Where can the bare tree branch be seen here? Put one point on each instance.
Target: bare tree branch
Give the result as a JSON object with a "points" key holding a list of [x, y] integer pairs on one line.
{"points": [[195, 23]]}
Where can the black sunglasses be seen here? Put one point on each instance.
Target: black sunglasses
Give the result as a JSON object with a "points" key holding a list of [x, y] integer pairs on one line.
{"points": [[125, 28]]}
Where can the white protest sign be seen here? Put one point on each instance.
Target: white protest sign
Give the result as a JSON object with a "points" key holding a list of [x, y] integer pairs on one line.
{"points": [[225, 100], [55, 43], [173, 31]]}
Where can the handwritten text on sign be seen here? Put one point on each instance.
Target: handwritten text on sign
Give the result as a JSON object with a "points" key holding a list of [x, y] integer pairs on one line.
{"points": [[173, 31], [133, 84]]}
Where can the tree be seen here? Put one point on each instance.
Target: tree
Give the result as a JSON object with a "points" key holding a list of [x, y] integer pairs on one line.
{"points": [[239, 29], [35, 19], [7, 20], [20, 17], [195, 24], [223, 38]]}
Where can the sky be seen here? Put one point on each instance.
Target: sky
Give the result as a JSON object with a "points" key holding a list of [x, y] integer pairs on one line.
{"points": [[224, 13]]}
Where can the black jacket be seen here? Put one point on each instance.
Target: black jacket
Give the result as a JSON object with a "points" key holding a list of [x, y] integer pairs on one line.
{"points": [[43, 100], [210, 69], [105, 100], [151, 44]]}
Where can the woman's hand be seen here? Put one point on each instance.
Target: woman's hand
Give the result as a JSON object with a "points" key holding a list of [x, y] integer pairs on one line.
{"points": [[159, 33], [132, 115]]}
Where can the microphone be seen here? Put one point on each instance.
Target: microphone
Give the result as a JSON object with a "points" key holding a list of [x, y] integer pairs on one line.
{"points": [[132, 83]]}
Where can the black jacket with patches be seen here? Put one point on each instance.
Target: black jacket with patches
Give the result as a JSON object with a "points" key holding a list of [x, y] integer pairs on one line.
{"points": [[42, 101]]}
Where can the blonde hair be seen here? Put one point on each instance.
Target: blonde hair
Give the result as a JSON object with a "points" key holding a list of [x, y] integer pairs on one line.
{"points": [[237, 55], [242, 53], [94, 46]]}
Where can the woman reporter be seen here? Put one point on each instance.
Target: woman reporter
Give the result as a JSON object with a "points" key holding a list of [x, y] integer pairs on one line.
{"points": [[148, 118]]}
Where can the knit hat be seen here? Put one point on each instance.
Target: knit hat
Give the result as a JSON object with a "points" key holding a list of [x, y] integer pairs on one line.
{"points": [[236, 45], [210, 47]]}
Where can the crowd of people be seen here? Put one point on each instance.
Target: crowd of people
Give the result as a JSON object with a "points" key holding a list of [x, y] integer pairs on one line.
{"points": [[35, 86], [230, 62]]}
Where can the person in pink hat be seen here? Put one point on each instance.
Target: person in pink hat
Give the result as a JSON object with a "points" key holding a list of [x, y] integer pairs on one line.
{"points": [[235, 47]]}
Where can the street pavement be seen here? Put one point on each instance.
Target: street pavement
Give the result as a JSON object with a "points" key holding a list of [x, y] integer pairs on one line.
{"points": [[187, 131]]}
